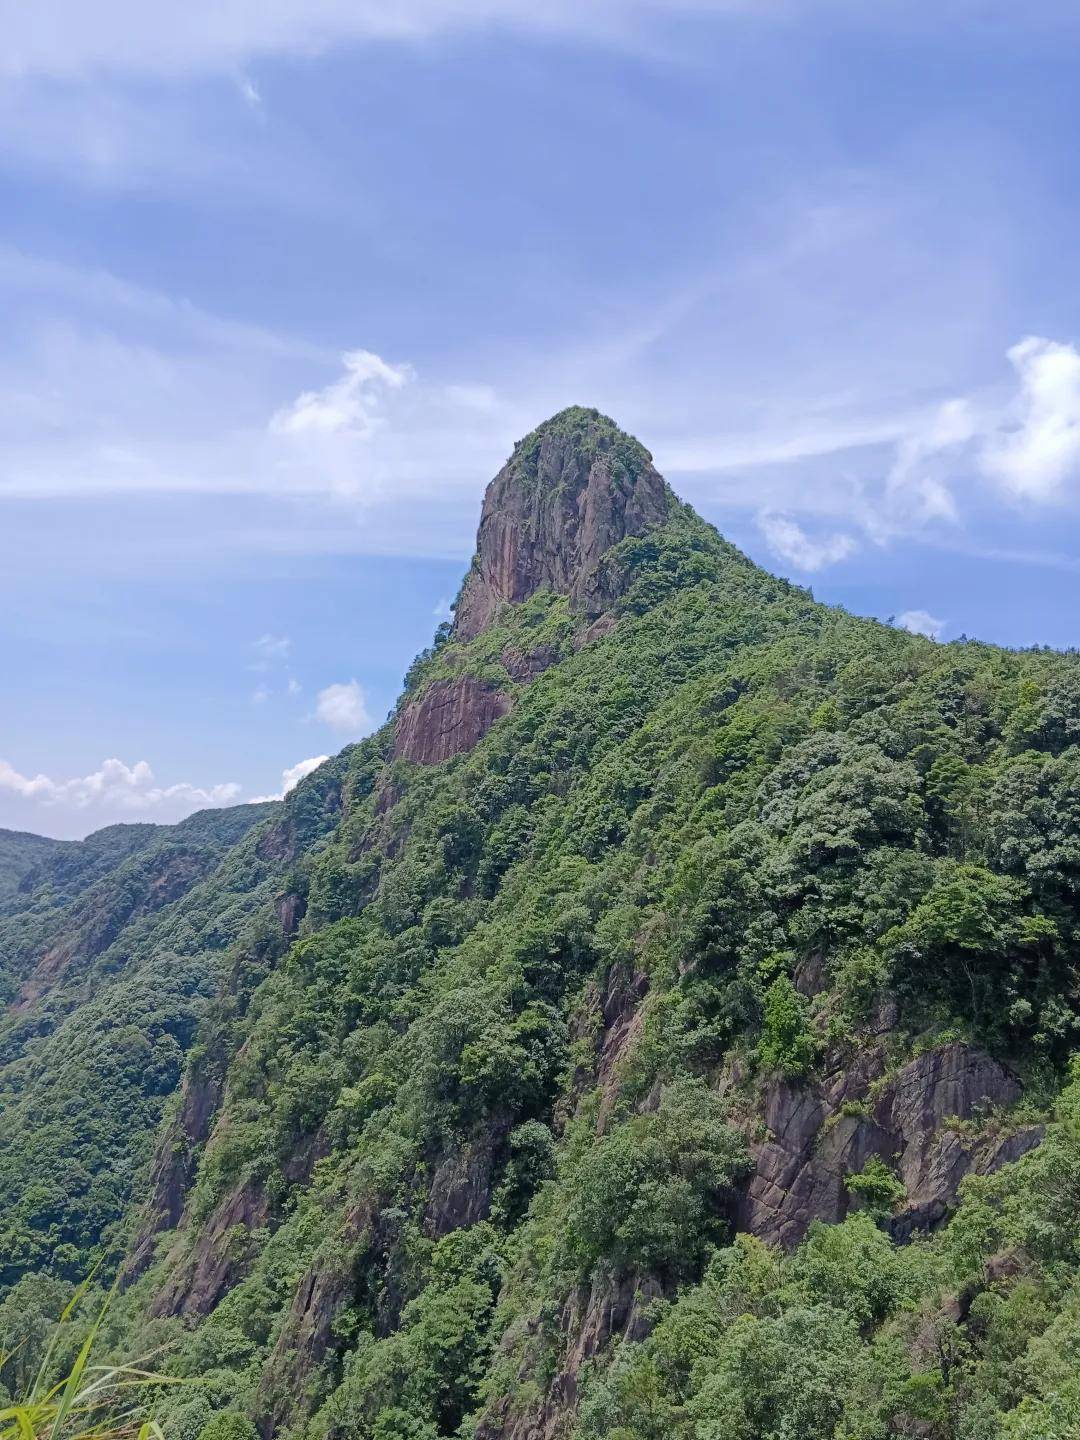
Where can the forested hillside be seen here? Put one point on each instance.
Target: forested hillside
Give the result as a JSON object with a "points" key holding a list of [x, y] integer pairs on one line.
{"points": [[661, 1027]]}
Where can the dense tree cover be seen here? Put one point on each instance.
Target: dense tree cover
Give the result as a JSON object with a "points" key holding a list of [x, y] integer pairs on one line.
{"points": [[971, 1333], [507, 1078], [20, 855], [126, 970]]}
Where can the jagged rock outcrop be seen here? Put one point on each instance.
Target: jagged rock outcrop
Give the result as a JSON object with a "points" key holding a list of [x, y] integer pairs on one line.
{"points": [[525, 665], [608, 1310], [450, 717], [460, 1190], [623, 1017], [220, 1253], [289, 908], [822, 1132], [571, 490], [308, 1332], [360, 1262], [175, 1160]]}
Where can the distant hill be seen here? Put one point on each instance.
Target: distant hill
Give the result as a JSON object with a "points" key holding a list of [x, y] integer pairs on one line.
{"points": [[20, 853]]}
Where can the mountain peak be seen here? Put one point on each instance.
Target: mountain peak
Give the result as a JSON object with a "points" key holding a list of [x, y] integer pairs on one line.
{"points": [[572, 489]]}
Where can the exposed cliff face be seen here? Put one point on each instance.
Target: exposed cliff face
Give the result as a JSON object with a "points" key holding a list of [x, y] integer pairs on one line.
{"points": [[525, 665], [173, 1167], [308, 1332], [450, 717], [220, 1253], [822, 1132], [460, 1190], [593, 1318], [571, 490]]}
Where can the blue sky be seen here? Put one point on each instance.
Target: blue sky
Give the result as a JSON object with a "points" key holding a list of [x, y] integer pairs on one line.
{"points": [[283, 280]]}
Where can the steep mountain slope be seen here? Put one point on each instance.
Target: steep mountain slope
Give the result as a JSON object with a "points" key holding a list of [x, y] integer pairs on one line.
{"points": [[671, 915]]}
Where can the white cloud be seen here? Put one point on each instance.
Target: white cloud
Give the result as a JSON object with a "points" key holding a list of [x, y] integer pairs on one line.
{"points": [[379, 435], [260, 695], [1036, 448], [114, 301], [294, 687], [917, 489], [353, 403], [118, 786], [787, 540], [344, 707], [921, 622], [779, 445], [1029, 444], [291, 777]]}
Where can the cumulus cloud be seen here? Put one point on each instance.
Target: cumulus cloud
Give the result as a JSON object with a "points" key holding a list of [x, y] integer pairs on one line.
{"points": [[380, 436], [921, 622], [789, 541], [117, 786], [291, 777], [344, 707], [352, 403], [1036, 448]]}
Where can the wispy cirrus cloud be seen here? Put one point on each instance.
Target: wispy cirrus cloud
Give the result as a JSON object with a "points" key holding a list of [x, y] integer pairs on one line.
{"points": [[270, 650], [60, 37], [790, 542]]}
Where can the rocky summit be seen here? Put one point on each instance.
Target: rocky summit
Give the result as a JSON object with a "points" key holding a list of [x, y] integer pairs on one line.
{"points": [[662, 1026], [569, 493]]}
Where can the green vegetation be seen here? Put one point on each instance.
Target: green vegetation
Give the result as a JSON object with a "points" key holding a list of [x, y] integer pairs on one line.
{"points": [[76, 1398], [477, 1134], [969, 1333], [20, 856], [126, 936]]}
